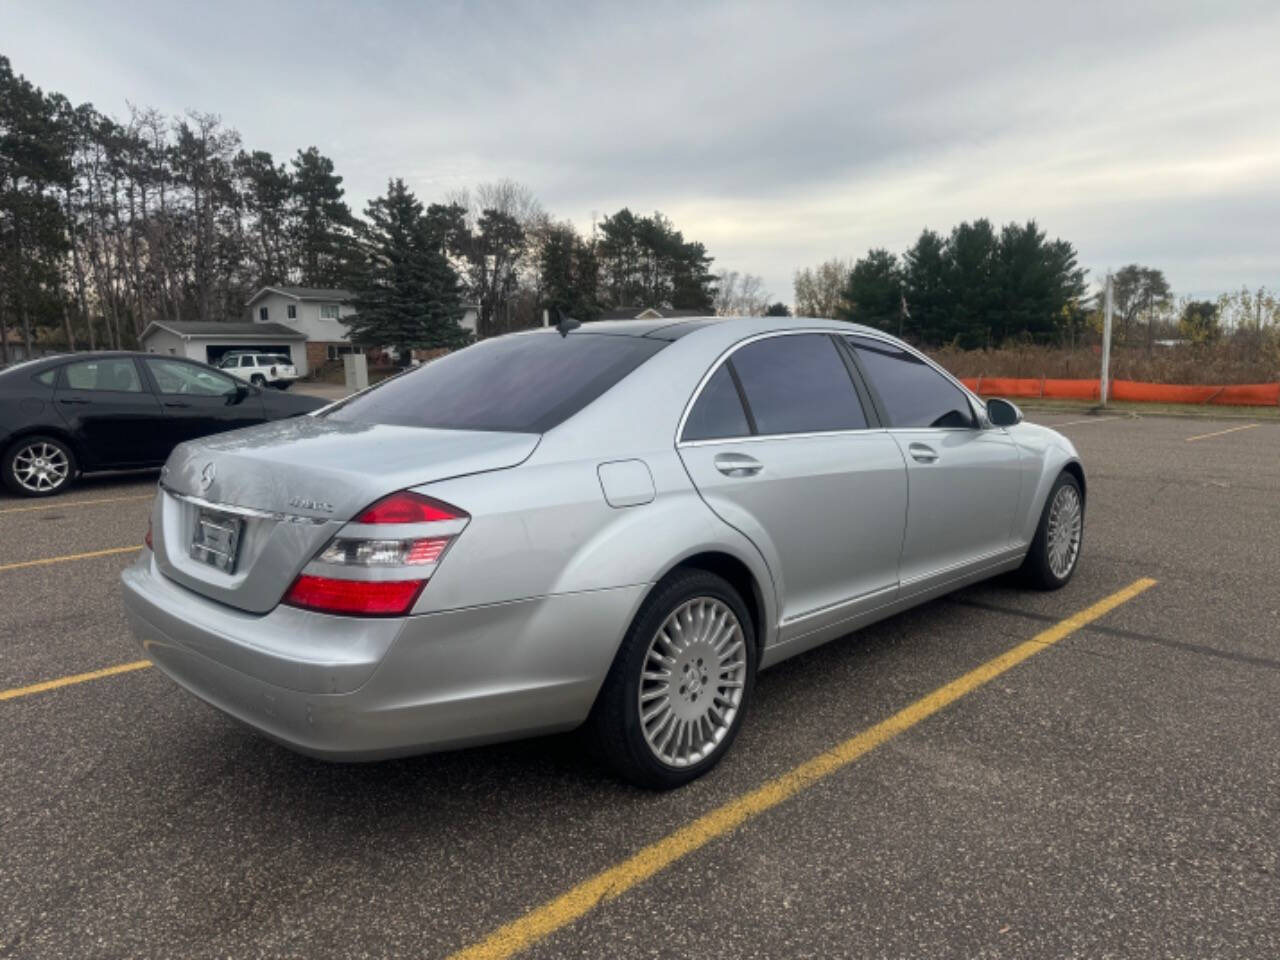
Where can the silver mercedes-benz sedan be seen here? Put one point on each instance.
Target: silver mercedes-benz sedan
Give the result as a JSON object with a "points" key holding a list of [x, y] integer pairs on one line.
{"points": [[618, 524]]}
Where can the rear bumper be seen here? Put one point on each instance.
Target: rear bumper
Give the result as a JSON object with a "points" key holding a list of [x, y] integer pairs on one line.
{"points": [[430, 682]]}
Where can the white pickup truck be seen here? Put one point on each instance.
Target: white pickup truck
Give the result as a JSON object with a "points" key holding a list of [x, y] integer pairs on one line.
{"points": [[261, 369]]}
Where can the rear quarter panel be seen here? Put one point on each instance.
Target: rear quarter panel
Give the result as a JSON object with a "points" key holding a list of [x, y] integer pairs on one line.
{"points": [[544, 528]]}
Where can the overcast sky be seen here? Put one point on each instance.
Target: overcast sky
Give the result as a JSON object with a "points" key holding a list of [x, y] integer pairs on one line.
{"points": [[780, 134]]}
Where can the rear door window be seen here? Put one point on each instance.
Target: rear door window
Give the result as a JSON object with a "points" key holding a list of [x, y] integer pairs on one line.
{"points": [[912, 392], [718, 413], [523, 383], [798, 383], [116, 374]]}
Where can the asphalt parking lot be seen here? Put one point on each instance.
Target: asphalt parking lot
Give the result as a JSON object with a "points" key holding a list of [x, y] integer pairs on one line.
{"points": [[1115, 794]]}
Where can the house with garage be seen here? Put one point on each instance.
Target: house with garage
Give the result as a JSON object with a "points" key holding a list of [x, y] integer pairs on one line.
{"points": [[315, 312], [303, 323], [208, 341], [318, 313]]}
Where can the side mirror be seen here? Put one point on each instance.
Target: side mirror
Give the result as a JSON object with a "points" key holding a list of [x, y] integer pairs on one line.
{"points": [[1003, 413]]}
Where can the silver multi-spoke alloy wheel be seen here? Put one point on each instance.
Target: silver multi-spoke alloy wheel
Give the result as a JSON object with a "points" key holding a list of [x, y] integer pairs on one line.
{"points": [[692, 682], [41, 467], [1066, 520]]}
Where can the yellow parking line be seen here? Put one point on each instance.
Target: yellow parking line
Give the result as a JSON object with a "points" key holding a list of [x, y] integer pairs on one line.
{"points": [[69, 557], [1218, 433], [616, 880], [76, 503], [17, 692]]}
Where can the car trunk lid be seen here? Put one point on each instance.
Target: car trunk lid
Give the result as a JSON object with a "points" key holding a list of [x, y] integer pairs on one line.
{"points": [[272, 496]]}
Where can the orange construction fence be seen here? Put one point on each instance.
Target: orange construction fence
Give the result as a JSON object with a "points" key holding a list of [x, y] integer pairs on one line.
{"points": [[1236, 395]]}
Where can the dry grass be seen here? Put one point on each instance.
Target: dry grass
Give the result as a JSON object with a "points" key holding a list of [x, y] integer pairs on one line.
{"points": [[1240, 359]]}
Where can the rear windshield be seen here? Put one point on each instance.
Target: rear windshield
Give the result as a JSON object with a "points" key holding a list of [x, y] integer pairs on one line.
{"points": [[523, 384]]}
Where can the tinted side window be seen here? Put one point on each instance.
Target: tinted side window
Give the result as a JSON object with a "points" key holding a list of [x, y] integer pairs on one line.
{"points": [[798, 384], [718, 413], [176, 377], [913, 393], [48, 377], [107, 373], [526, 383]]}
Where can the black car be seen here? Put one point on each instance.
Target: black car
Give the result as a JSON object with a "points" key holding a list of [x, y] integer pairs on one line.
{"points": [[87, 412]]}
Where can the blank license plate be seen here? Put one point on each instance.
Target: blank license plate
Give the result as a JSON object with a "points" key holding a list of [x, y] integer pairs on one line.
{"points": [[216, 538]]}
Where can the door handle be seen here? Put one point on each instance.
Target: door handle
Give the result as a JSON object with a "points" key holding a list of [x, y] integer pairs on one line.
{"points": [[922, 453], [72, 400], [737, 465], [179, 404]]}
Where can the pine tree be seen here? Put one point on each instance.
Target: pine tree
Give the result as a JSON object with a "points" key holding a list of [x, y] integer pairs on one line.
{"points": [[873, 295], [928, 298], [407, 296], [568, 273], [322, 226], [265, 191], [973, 279]]}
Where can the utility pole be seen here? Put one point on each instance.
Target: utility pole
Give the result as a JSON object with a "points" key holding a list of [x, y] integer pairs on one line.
{"points": [[1105, 379]]}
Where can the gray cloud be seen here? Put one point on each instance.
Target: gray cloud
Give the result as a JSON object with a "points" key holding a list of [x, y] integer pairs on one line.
{"points": [[778, 133]]}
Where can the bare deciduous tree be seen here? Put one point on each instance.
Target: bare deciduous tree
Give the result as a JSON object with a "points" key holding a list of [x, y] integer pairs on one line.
{"points": [[819, 290], [740, 295]]}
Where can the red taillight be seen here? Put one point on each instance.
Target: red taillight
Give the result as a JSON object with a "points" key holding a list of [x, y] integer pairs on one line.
{"points": [[147, 538], [407, 507], [360, 597], [352, 555]]}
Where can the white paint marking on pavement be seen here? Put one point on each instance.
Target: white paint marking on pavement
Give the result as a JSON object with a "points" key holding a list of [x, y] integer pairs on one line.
{"points": [[1218, 433]]}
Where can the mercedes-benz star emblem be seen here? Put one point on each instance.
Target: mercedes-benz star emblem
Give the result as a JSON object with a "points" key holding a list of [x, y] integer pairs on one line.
{"points": [[207, 476]]}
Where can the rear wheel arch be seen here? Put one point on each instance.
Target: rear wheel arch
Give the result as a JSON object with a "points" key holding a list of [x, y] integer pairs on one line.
{"points": [[616, 724], [15, 446], [732, 569], [58, 433], [738, 575]]}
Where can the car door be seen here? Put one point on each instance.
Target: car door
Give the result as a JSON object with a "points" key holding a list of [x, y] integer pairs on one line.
{"points": [[112, 415], [963, 478], [780, 444], [198, 400]]}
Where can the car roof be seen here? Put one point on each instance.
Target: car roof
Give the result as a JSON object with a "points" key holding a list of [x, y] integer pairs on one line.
{"points": [[677, 327], [659, 329]]}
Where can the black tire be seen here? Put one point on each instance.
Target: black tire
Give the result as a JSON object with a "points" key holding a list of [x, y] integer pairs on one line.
{"points": [[258, 380], [282, 384], [615, 724], [1038, 568], [10, 466]]}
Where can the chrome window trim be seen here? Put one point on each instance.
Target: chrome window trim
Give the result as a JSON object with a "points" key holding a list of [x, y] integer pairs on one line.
{"points": [[760, 437], [746, 438], [250, 512]]}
